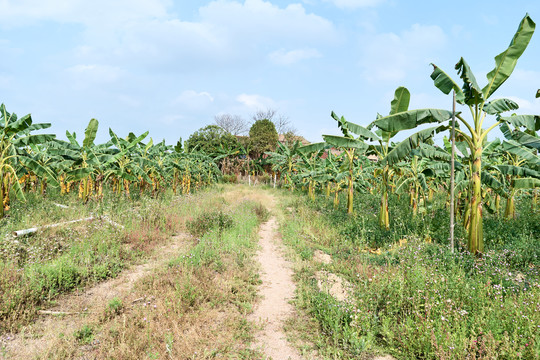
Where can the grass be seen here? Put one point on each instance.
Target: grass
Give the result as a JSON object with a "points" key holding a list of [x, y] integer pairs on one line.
{"points": [[196, 307], [418, 300], [193, 306], [39, 267]]}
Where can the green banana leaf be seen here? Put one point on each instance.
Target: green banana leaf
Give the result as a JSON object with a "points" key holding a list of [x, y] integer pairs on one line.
{"points": [[526, 183], [531, 122], [411, 119], [528, 140], [492, 182], [498, 106], [311, 148], [506, 61], [90, 133], [517, 171], [38, 169], [78, 174], [39, 126], [446, 84], [403, 149], [33, 140], [516, 148], [401, 100], [471, 90], [344, 142], [18, 126]]}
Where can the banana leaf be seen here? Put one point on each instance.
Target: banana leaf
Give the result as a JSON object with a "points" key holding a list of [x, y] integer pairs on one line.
{"points": [[498, 106], [401, 100], [344, 142], [403, 149], [411, 119], [531, 122], [311, 148], [506, 61], [446, 84], [471, 90], [90, 133], [517, 171], [526, 183]]}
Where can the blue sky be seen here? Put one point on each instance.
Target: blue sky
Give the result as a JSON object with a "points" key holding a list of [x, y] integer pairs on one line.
{"points": [[170, 66]]}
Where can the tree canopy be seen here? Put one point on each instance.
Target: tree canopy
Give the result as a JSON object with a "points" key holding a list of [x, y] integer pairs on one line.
{"points": [[210, 139], [263, 136]]}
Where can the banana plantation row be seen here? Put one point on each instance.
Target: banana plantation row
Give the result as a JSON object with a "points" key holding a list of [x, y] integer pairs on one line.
{"points": [[486, 171]]}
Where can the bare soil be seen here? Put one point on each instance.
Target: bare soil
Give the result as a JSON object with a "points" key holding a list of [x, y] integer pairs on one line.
{"points": [[277, 290]]}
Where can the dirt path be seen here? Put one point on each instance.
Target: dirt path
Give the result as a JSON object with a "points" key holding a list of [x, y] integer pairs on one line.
{"points": [[276, 290], [37, 339]]}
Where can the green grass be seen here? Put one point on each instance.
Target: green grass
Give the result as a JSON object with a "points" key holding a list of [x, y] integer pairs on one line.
{"points": [[420, 300]]}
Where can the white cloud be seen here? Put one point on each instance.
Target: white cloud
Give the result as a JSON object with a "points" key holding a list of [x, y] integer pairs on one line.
{"points": [[193, 100], [95, 73], [526, 106], [256, 102], [144, 32], [91, 13], [389, 57], [261, 21], [283, 57], [354, 4]]}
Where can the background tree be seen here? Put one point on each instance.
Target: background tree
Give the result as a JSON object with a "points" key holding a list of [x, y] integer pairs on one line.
{"points": [[210, 139], [281, 122], [263, 136], [234, 124]]}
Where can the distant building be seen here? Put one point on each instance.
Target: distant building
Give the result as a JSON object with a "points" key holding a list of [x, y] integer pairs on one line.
{"points": [[291, 139]]}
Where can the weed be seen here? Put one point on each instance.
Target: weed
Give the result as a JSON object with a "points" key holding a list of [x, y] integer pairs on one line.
{"points": [[84, 335], [208, 221], [114, 308], [420, 300]]}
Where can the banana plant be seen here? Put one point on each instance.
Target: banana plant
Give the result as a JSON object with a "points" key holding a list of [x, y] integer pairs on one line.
{"points": [[283, 159], [15, 134], [523, 164], [389, 153], [346, 143], [424, 164], [478, 102], [125, 164]]}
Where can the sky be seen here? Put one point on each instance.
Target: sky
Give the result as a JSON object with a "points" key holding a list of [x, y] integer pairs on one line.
{"points": [[170, 66]]}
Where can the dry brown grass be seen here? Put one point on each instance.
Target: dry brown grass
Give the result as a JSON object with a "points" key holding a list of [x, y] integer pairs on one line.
{"points": [[187, 314], [182, 311]]}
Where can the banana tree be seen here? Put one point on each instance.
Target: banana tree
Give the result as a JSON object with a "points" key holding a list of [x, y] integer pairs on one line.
{"points": [[423, 165], [15, 134], [390, 153], [476, 99], [125, 164], [524, 163], [283, 159], [351, 146]]}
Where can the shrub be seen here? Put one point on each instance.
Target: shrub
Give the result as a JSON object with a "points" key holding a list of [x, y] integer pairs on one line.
{"points": [[208, 221]]}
